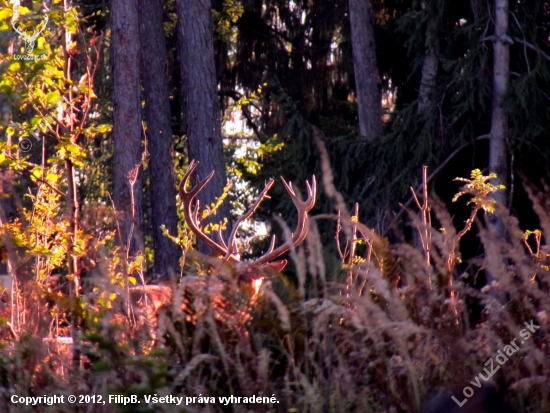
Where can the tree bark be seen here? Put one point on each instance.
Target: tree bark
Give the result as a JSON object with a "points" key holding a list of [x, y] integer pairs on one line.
{"points": [[498, 162], [204, 139], [159, 136], [427, 80], [499, 121], [427, 85], [367, 77], [127, 122]]}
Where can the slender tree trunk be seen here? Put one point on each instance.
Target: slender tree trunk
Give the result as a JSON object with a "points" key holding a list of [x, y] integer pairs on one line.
{"points": [[6, 208], [204, 139], [427, 80], [499, 121], [498, 162], [127, 122], [159, 135], [427, 85], [6, 179], [367, 77], [73, 210]]}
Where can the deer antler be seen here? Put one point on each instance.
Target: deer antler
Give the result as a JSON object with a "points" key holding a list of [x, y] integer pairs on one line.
{"points": [[15, 28], [228, 251], [23, 33], [191, 213], [249, 213], [300, 233]]}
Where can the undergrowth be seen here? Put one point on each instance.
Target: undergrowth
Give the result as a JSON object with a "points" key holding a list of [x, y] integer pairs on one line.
{"points": [[379, 332]]}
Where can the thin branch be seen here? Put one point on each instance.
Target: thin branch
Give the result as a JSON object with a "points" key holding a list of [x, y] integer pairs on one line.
{"points": [[237, 96], [452, 155], [91, 70], [424, 209], [233, 94], [524, 46], [532, 47], [35, 177], [251, 123], [338, 246], [434, 173]]}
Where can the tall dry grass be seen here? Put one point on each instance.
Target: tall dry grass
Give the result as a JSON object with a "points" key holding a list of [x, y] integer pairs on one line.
{"points": [[380, 332]]}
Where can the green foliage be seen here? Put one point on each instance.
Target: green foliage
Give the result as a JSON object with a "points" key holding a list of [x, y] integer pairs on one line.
{"points": [[59, 123], [480, 190], [317, 340], [225, 20]]}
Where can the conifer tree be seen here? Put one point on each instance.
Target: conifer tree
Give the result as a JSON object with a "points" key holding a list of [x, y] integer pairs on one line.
{"points": [[159, 135], [127, 123], [198, 73]]}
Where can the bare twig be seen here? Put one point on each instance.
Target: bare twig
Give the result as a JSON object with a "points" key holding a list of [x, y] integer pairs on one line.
{"points": [[524, 46], [425, 215], [434, 174], [338, 230]]}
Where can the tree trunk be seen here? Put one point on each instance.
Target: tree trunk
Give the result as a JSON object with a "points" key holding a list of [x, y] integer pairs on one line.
{"points": [[499, 122], [159, 136], [127, 122], [6, 208], [427, 85], [498, 162], [367, 77], [427, 80], [204, 139]]}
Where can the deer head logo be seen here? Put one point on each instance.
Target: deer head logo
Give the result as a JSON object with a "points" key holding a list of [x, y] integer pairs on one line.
{"points": [[28, 36]]}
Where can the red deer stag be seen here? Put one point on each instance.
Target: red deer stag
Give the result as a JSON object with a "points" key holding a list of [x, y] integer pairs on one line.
{"points": [[222, 292]]}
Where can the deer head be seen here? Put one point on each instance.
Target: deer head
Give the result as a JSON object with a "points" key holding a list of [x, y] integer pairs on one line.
{"points": [[250, 272], [199, 294]]}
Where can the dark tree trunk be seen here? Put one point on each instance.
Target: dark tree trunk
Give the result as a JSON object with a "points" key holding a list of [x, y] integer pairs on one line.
{"points": [[427, 85], [127, 122], [204, 139], [159, 136], [427, 80], [367, 77], [498, 152], [499, 122]]}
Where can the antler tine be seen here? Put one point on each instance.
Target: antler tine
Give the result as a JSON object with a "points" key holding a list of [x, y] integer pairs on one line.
{"points": [[303, 208], [192, 213], [272, 244], [220, 236], [15, 28], [300, 234], [250, 212], [191, 194]]}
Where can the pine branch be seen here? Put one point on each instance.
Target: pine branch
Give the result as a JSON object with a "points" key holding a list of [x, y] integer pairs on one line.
{"points": [[532, 47]]}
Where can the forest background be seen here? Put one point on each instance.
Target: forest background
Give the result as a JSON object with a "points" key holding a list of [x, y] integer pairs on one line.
{"points": [[104, 104]]}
